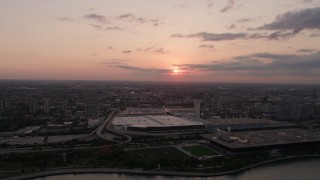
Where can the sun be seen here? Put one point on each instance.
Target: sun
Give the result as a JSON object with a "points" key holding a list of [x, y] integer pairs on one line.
{"points": [[176, 71]]}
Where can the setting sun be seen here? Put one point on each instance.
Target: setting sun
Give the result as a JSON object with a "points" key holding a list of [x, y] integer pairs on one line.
{"points": [[175, 71]]}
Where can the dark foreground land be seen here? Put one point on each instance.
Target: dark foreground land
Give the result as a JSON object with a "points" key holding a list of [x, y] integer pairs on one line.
{"points": [[146, 159], [57, 109]]}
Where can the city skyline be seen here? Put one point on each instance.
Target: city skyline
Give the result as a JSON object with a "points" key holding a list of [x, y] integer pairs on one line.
{"points": [[202, 41]]}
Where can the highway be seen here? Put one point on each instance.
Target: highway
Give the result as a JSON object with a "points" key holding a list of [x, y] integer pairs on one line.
{"points": [[104, 131], [46, 149]]}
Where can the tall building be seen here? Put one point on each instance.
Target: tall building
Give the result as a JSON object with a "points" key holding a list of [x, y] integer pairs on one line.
{"points": [[197, 106], [46, 106], [64, 106], [2, 105], [33, 108]]}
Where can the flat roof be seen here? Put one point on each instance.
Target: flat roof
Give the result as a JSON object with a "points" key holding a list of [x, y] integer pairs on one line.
{"points": [[181, 111], [154, 121], [249, 139], [244, 121], [137, 111]]}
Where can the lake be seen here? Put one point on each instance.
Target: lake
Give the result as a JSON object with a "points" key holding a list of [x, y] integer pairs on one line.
{"points": [[308, 169]]}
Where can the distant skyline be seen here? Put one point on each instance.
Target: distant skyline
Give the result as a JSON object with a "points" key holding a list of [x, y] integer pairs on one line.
{"points": [[244, 41]]}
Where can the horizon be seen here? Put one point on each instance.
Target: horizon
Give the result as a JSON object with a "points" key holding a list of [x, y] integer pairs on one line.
{"points": [[224, 41], [177, 82]]}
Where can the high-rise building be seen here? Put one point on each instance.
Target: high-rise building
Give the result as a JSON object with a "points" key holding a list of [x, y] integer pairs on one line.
{"points": [[46, 106], [197, 107], [33, 108], [64, 106], [2, 105]]}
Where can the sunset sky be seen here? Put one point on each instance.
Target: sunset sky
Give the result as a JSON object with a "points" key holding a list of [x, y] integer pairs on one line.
{"points": [[161, 40]]}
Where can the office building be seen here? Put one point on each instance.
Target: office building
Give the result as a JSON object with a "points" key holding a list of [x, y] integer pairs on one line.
{"points": [[46, 106], [197, 108], [33, 108]]}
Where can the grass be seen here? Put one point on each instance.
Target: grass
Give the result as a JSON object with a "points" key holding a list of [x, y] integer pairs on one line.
{"points": [[169, 158], [157, 153], [200, 151]]}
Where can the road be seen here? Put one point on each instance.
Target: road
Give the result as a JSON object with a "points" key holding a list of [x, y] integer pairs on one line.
{"points": [[104, 131], [46, 149], [100, 129]]}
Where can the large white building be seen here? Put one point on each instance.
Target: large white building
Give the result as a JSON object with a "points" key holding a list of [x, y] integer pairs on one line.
{"points": [[158, 124]]}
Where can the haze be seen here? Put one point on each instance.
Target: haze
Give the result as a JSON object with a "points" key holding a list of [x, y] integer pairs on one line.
{"points": [[182, 40]]}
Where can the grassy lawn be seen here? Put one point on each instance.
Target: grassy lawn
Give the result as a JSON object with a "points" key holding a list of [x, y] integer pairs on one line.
{"points": [[169, 158], [157, 153], [200, 151]]}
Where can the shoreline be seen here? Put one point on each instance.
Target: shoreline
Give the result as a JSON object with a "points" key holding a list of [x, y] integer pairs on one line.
{"points": [[64, 171]]}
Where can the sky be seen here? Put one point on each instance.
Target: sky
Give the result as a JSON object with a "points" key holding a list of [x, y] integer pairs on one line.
{"points": [[242, 41]]}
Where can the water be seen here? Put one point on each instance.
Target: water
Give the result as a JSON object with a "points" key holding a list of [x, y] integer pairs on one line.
{"points": [[308, 169]]}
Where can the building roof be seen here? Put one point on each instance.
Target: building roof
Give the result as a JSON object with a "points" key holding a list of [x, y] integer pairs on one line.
{"points": [[247, 123], [137, 111], [262, 138], [236, 121], [154, 121]]}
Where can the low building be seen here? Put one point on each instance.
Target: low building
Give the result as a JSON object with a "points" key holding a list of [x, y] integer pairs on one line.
{"points": [[158, 124], [246, 124], [144, 111], [180, 111], [255, 140]]}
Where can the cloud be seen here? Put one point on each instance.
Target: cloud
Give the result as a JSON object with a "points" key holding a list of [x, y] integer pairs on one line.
{"points": [[256, 64], [126, 52], [285, 26], [120, 63], [109, 28], [97, 17], [295, 21], [126, 16], [228, 7], [120, 60], [180, 5], [65, 19], [205, 36], [114, 28], [267, 55], [315, 35], [307, 1], [209, 4], [213, 36], [306, 50], [160, 50], [278, 35], [154, 49], [210, 46], [244, 20], [232, 26], [96, 26], [113, 62], [143, 70], [140, 20]]}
